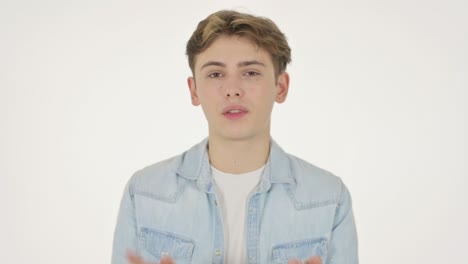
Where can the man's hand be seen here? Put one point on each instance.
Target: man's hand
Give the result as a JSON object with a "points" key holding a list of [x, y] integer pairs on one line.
{"points": [[134, 259], [312, 260]]}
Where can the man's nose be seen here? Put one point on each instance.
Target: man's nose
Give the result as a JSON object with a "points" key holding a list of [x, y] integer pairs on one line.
{"points": [[233, 88]]}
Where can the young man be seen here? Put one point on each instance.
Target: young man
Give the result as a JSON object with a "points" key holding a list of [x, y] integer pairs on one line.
{"points": [[236, 197]]}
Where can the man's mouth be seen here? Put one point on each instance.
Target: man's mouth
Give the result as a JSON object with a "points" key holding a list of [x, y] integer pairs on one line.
{"points": [[234, 112]]}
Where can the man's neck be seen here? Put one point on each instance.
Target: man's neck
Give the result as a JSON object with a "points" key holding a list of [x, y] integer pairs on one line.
{"points": [[238, 156]]}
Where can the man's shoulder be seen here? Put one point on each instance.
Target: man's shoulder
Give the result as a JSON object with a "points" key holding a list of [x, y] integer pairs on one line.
{"points": [[307, 172], [160, 180], [314, 186], [157, 180], [157, 170]]}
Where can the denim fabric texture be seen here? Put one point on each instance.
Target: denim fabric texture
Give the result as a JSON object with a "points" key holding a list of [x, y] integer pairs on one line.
{"points": [[297, 211]]}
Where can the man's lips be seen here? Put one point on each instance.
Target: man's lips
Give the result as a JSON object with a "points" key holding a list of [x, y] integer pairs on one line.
{"points": [[234, 112], [232, 109]]}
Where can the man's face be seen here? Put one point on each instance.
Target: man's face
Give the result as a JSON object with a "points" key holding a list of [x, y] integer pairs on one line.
{"points": [[236, 86]]}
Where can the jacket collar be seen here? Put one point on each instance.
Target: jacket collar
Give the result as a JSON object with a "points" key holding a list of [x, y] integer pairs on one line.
{"points": [[195, 165]]}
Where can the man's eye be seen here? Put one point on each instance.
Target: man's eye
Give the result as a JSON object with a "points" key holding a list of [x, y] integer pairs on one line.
{"points": [[215, 75], [252, 73]]}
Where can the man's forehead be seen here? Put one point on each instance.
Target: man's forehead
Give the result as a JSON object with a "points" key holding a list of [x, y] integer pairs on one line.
{"points": [[229, 45]]}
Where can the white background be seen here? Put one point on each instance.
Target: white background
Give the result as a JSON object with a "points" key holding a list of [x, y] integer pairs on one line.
{"points": [[91, 91]]}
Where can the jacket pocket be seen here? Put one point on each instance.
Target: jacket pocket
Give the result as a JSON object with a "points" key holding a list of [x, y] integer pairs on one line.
{"points": [[301, 250], [160, 243]]}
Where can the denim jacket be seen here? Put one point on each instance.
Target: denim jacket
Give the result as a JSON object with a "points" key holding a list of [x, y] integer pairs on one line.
{"points": [[296, 211]]}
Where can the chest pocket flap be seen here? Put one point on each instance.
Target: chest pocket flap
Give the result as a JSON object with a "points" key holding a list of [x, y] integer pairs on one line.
{"points": [[301, 250], [160, 243]]}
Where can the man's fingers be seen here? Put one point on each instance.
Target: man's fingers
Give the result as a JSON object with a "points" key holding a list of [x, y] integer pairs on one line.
{"points": [[314, 260], [167, 260], [133, 258]]}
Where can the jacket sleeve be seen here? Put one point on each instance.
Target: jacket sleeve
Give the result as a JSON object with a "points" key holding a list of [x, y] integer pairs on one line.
{"points": [[125, 234], [343, 247]]}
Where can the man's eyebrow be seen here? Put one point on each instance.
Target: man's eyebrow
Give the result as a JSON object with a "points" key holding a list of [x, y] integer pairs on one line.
{"points": [[213, 63], [240, 64], [250, 62]]}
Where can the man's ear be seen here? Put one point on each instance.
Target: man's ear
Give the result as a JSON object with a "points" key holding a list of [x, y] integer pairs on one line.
{"points": [[283, 87], [193, 91]]}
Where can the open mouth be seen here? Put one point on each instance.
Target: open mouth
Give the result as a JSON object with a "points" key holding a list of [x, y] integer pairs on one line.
{"points": [[234, 112]]}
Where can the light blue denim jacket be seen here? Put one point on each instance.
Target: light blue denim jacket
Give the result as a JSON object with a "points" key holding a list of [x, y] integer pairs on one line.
{"points": [[296, 211]]}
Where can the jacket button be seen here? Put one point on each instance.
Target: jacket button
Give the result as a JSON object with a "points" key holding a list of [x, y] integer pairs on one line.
{"points": [[218, 252]]}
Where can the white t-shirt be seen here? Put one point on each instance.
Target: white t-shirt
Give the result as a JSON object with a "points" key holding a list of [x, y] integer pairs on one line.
{"points": [[233, 191]]}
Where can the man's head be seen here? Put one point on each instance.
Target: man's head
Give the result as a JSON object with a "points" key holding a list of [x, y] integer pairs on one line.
{"points": [[261, 31], [238, 63]]}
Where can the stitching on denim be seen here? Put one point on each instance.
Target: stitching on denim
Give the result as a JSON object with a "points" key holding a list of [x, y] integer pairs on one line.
{"points": [[278, 251], [157, 232], [253, 229], [164, 235], [301, 206], [171, 199], [299, 243]]}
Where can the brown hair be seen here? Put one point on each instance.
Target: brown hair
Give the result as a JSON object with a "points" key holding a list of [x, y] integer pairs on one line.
{"points": [[260, 30]]}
